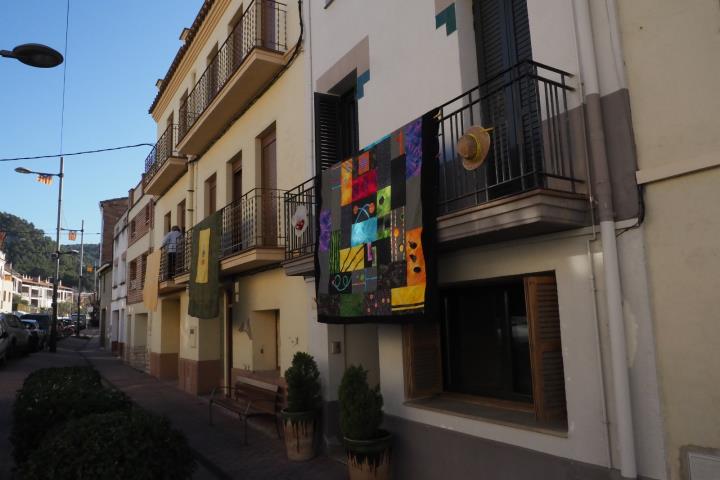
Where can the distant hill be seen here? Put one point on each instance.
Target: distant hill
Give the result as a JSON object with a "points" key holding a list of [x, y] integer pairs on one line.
{"points": [[29, 250]]}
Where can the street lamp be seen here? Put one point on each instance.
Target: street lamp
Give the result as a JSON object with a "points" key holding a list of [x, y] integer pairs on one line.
{"points": [[35, 55], [61, 175]]}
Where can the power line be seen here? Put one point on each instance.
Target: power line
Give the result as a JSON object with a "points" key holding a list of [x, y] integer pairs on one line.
{"points": [[85, 152], [62, 110]]}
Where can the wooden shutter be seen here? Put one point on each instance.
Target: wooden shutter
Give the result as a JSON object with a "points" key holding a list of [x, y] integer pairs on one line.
{"points": [[422, 360], [327, 131], [548, 375]]}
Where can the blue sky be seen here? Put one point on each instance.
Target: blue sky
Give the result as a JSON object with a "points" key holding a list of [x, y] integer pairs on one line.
{"points": [[116, 52]]}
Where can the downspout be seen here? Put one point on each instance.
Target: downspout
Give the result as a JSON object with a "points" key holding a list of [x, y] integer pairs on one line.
{"points": [[603, 195], [190, 195]]}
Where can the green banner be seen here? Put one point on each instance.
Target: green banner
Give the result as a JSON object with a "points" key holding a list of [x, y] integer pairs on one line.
{"points": [[205, 268]]}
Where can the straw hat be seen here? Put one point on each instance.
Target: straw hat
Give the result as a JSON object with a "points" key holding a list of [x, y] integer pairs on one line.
{"points": [[473, 147]]}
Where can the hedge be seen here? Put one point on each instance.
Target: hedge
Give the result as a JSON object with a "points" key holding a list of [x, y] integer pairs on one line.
{"points": [[51, 397], [118, 445]]}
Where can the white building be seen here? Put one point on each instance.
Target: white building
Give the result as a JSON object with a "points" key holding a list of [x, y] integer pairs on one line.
{"points": [[527, 373], [38, 292], [118, 328], [6, 285]]}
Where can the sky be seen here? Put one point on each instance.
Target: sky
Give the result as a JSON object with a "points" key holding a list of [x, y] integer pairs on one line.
{"points": [[116, 51]]}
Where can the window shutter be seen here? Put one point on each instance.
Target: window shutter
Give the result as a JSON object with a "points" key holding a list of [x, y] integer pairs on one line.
{"points": [[545, 348], [422, 359], [327, 131]]}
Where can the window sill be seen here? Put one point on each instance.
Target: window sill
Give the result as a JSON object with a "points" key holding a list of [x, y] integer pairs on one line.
{"points": [[490, 411]]}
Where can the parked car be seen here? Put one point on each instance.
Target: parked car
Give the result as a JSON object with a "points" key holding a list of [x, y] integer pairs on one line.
{"points": [[80, 323], [4, 340], [19, 336], [44, 321], [33, 327]]}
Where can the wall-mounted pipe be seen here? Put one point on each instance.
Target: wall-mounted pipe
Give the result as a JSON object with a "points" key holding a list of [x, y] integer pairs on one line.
{"points": [[611, 263]]}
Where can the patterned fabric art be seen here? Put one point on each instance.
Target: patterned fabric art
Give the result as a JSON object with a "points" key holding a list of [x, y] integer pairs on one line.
{"points": [[376, 226]]}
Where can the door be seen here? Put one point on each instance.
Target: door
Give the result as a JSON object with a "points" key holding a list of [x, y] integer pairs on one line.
{"points": [[229, 336], [502, 37], [269, 209], [237, 209]]}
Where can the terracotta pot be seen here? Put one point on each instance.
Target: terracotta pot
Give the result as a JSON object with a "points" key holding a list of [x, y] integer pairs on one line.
{"points": [[299, 435], [370, 459]]}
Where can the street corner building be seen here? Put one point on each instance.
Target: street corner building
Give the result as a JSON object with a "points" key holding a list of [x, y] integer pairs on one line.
{"points": [[475, 200]]}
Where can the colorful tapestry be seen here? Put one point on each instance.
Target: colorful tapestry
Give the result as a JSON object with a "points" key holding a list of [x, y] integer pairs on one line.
{"points": [[205, 268], [376, 230]]}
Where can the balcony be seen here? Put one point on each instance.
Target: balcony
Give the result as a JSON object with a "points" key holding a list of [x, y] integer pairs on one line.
{"points": [[245, 63], [299, 206], [182, 260], [168, 269], [532, 180], [253, 231], [163, 166]]}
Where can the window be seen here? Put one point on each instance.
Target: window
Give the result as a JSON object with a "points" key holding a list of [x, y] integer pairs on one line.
{"points": [[181, 215], [336, 124], [148, 214], [167, 223], [132, 229], [143, 265], [498, 340], [211, 195], [132, 274]]}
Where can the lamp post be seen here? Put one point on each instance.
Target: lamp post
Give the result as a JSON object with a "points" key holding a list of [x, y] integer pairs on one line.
{"points": [[34, 55], [53, 326], [80, 279]]}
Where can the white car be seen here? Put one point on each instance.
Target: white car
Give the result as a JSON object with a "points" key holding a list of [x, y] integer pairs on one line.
{"points": [[18, 335], [4, 341]]}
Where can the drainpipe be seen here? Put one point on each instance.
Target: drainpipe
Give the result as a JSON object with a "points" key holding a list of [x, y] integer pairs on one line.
{"points": [[603, 195], [190, 197]]}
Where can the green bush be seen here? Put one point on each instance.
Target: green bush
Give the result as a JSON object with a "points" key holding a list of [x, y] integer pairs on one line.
{"points": [[303, 384], [118, 445], [50, 397], [360, 406]]}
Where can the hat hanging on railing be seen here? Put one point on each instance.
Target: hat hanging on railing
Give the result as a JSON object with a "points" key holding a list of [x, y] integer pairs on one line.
{"points": [[474, 146]]}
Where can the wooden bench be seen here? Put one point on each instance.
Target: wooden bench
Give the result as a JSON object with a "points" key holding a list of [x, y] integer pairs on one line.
{"points": [[249, 398]]}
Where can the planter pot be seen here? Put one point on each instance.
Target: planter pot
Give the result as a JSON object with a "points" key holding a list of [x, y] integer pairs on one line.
{"points": [[369, 459], [299, 435]]}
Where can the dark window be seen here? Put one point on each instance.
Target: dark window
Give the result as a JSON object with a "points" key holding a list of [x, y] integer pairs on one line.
{"points": [[485, 341], [495, 339], [337, 134]]}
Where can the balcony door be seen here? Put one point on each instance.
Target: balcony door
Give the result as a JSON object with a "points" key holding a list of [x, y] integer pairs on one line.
{"points": [[509, 106], [269, 189], [269, 27]]}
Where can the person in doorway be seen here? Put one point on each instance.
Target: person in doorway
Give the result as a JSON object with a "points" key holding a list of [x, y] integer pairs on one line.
{"points": [[170, 242]]}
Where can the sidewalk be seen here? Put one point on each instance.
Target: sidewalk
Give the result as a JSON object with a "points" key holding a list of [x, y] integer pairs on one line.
{"points": [[219, 447]]}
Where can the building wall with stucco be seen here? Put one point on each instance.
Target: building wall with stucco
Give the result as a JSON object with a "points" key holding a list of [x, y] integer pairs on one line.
{"points": [[671, 59]]}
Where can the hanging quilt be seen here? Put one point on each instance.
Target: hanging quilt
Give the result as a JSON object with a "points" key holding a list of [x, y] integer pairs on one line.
{"points": [[375, 254]]}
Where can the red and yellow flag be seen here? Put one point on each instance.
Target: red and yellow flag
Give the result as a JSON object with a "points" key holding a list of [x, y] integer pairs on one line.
{"points": [[46, 179], [72, 235]]}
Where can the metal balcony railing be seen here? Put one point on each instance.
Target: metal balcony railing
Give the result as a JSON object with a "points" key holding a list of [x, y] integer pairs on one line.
{"points": [[263, 25], [300, 220], [184, 253], [527, 108], [163, 149], [255, 220]]}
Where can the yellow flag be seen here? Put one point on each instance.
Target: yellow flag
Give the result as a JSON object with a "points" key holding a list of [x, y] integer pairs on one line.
{"points": [[203, 258]]}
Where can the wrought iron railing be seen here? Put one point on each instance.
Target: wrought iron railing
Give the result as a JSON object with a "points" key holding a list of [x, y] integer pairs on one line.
{"points": [[300, 220], [184, 253], [167, 270], [163, 149], [255, 220], [262, 25], [526, 108]]}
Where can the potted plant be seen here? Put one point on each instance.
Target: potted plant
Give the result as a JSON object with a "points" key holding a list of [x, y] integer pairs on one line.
{"points": [[367, 446], [299, 418]]}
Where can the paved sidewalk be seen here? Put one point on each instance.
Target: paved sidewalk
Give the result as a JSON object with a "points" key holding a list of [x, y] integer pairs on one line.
{"points": [[220, 447]]}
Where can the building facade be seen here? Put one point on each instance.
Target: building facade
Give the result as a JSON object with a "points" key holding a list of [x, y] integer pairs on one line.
{"points": [[6, 285], [118, 304], [668, 71], [541, 363], [231, 116], [138, 332], [111, 211]]}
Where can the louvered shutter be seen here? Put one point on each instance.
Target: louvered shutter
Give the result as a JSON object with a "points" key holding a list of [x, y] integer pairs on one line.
{"points": [[327, 131], [422, 359], [545, 348]]}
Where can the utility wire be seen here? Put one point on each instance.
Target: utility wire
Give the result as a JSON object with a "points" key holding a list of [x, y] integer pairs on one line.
{"points": [[62, 109], [86, 152]]}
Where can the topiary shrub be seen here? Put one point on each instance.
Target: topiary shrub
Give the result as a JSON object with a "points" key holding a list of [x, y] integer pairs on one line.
{"points": [[303, 384], [50, 397], [360, 406], [118, 445]]}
